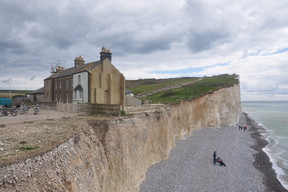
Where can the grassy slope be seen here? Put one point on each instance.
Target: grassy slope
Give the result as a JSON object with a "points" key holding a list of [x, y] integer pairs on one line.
{"points": [[146, 85], [187, 92]]}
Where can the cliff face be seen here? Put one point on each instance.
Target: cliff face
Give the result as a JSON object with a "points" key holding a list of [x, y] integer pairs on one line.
{"points": [[110, 156]]}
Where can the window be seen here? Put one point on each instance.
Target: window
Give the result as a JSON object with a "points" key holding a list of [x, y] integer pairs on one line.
{"points": [[60, 84], [79, 79], [80, 95]]}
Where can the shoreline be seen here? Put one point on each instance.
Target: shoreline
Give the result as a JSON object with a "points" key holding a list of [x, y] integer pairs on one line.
{"points": [[262, 161]]}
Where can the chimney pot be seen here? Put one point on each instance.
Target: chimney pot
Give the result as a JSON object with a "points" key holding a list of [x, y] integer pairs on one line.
{"points": [[105, 54], [79, 61]]}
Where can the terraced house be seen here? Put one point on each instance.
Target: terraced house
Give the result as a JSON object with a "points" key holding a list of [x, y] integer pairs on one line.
{"points": [[95, 82]]}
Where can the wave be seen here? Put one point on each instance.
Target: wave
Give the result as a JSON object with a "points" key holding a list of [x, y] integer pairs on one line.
{"points": [[274, 153], [275, 159]]}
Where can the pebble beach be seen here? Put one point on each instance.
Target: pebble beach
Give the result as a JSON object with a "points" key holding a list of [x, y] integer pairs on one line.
{"points": [[190, 164]]}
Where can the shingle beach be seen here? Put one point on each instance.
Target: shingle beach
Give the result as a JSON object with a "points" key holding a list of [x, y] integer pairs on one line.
{"points": [[190, 164]]}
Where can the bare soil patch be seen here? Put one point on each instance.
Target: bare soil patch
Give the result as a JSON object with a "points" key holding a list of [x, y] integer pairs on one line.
{"points": [[25, 136]]}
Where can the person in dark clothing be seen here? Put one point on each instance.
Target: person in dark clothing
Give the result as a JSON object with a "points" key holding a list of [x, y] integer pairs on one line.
{"points": [[214, 157], [18, 105], [220, 161]]}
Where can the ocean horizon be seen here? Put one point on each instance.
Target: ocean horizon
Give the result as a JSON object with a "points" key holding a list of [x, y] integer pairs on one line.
{"points": [[273, 117]]}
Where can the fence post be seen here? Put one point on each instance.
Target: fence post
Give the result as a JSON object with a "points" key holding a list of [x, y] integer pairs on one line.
{"points": [[48, 108]]}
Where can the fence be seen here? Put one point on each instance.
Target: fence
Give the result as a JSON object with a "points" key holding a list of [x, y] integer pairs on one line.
{"points": [[108, 109], [132, 101]]}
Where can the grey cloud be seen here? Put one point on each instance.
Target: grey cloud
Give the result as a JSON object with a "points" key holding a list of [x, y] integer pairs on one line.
{"points": [[12, 46], [6, 80], [206, 29], [136, 41], [198, 42]]}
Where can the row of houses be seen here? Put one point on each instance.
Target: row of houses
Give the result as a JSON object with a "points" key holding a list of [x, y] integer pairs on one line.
{"points": [[98, 82]]}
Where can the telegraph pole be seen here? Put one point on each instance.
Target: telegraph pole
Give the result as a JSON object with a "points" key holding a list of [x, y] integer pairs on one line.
{"points": [[10, 82]]}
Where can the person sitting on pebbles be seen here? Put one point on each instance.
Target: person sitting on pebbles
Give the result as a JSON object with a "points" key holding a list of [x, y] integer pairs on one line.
{"points": [[220, 161]]}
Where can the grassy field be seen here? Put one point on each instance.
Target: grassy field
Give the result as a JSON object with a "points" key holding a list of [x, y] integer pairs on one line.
{"points": [[196, 88], [6, 93], [147, 85]]}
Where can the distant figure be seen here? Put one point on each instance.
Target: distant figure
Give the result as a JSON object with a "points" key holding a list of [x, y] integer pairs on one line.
{"points": [[245, 128], [18, 105], [214, 157], [220, 161]]}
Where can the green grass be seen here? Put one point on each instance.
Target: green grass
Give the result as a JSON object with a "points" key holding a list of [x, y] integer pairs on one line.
{"points": [[224, 80], [180, 94], [152, 84], [28, 148], [195, 89], [6, 93]]}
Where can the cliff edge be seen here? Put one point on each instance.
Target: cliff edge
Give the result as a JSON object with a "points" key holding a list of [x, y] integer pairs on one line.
{"points": [[113, 155]]}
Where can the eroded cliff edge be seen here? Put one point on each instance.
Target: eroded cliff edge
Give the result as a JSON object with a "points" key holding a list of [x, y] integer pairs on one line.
{"points": [[113, 155]]}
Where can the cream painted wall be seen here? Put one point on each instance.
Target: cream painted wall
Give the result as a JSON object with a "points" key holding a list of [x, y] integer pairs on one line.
{"points": [[107, 84]]}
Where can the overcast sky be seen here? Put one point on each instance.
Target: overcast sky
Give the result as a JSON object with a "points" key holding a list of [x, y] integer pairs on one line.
{"points": [[149, 39]]}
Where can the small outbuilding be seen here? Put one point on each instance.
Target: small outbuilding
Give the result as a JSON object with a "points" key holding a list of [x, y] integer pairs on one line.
{"points": [[37, 95]]}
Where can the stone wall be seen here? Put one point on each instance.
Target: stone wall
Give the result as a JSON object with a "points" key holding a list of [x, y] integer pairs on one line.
{"points": [[113, 155], [132, 101]]}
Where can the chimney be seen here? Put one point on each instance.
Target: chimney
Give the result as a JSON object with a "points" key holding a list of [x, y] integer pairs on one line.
{"points": [[105, 53], [59, 69], [79, 61]]}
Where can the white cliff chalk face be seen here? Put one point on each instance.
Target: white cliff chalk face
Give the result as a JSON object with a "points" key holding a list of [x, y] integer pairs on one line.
{"points": [[114, 155]]}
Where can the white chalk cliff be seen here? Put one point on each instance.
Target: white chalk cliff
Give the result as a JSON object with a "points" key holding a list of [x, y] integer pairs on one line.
{"points": [[113, 155]]}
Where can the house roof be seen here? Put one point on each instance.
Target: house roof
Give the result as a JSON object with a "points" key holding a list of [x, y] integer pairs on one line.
{"points": [[78, 87], [38, 91], [73, 70]]}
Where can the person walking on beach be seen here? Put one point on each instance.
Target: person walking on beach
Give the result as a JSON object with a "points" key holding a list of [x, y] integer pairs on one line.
{"points": [[214, 157]]}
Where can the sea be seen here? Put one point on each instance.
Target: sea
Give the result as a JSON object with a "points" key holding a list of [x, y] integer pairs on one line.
{"points": [[273, 116]]}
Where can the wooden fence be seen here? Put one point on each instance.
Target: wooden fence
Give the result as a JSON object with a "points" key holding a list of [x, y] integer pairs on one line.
{"points": [[108, 109]]}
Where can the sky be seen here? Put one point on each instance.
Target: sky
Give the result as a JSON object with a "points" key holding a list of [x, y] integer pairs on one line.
{"points": [[149, 39]]}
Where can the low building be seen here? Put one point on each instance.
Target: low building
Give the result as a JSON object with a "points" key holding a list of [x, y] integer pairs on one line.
{"points": [[37, 95]]}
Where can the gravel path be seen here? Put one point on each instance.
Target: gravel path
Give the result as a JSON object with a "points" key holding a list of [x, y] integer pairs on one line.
{"points": [[190, 165]]}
